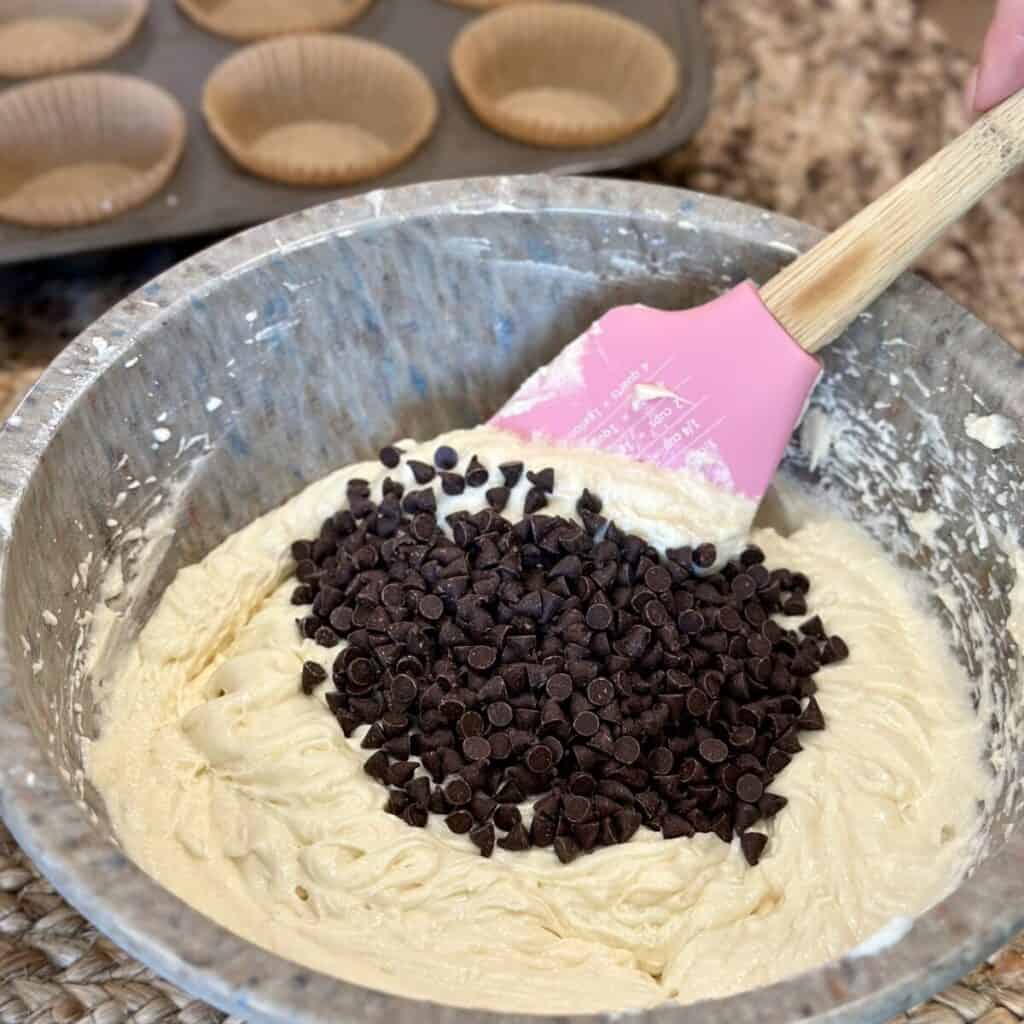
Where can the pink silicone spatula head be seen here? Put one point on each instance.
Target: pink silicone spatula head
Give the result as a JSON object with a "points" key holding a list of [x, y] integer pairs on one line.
{"points": [[717, 390]]}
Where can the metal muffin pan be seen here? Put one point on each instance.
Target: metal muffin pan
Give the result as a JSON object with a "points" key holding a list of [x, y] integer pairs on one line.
{"points": [[210, 193]]}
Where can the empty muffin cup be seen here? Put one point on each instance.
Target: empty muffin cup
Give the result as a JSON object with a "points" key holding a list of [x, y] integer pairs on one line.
{"points": [[563, 74], [81, 148], [42, 37], [247, 20], [319, 109]]}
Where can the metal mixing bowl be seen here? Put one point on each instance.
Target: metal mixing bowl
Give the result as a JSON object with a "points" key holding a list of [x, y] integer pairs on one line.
{"points": [[306, 343]]}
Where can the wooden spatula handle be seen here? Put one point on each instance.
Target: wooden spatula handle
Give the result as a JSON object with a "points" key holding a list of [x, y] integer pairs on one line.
{"points": [[820, 293]]}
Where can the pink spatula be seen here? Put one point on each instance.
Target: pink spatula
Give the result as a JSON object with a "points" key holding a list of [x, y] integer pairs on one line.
{"points": [[718, 390]]}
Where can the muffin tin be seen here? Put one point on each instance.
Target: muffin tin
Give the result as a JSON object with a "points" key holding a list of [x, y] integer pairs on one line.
{"points": [[65, 131], [211, 192]]}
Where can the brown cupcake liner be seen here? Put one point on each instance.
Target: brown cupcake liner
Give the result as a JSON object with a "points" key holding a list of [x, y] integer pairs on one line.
{"points": [[563, 74], [319, 109], [249, 20], [43, 37], [82, 148]]}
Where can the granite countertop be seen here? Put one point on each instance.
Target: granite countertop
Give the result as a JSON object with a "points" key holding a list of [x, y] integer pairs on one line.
{"points": [[819, 106]]}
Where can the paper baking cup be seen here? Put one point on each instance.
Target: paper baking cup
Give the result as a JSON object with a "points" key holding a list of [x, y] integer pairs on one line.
{"points": [[563, 74], [319, 109], [42, 37], [246, 20], [81, 148]]}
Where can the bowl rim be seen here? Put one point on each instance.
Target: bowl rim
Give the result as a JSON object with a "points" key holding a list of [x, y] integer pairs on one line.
{"points": [[897, 969]]}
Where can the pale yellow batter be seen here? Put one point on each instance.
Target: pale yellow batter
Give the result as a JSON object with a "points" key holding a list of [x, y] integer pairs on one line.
{"points": [[243, 796]]}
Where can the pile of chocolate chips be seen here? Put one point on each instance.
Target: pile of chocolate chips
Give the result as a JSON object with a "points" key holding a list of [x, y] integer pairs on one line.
{"points": [[557, 662]]}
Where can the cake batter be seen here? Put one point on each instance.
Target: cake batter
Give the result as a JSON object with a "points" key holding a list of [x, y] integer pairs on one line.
{"points": [[243, 796]]}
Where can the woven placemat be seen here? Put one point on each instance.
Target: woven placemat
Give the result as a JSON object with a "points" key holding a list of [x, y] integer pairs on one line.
{"points": [[820, 105]]}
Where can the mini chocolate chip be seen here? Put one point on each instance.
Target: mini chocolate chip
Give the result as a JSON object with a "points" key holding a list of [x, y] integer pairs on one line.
{"points": [[658, 579], [499, 714], [476, 748], [753, 844], [713, 751], [403, 689], [626, 823], [543, 480], [753, 555], [376, 766], [481, 806], [599, 616], [536, 499], [422, 472], [566, 848], [770, 804], [749, 788], [511, 473], [476, 475], [326, 637], [576, 808], [483, 838], [458, 792], [460, 822], [559, 686], [517, 839], [501, 745], [446, 457], [539, 759], [811, 717], [691, 622], [837, 649], [813, 627], [452, 483], [497, 498], [430, 606], [313, 675], [696, 703], [745, 816], [401, 773], [471, 724], [589, 502], [571, 566], [675, 826], [507, 817], [586, 724], [705, 556], [627, 750], [600, 692], [415, 815], [482, 657], [391, 456], [660, 761]]}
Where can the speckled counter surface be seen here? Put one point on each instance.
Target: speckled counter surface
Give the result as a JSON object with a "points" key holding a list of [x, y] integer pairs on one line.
{"points": [[819, 106]]}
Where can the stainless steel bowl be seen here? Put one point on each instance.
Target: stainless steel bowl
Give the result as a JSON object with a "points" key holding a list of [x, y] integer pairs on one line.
{"points": [[326, 333]]}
